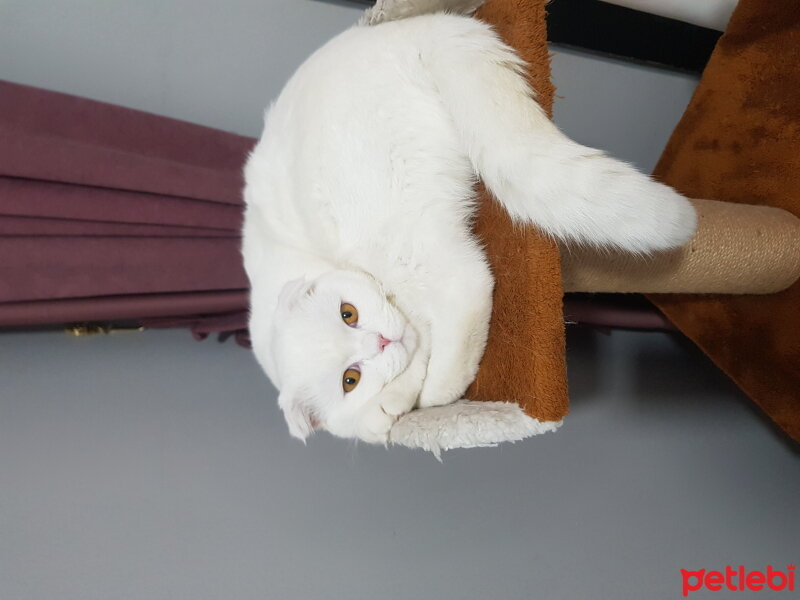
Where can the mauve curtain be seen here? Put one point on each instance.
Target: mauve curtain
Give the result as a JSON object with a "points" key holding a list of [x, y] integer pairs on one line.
{"points": [[109, 214]]}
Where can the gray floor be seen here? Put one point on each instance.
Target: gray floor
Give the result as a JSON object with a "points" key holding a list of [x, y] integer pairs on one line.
{"points": [[151, 466]]}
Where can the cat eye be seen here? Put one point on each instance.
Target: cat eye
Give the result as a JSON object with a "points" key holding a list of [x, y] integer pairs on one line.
{"points": [[350, 379], [349, 314]]}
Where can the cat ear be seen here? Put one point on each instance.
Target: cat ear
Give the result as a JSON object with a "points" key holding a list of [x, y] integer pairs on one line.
{"points": [[298, 414], [292, 292]]}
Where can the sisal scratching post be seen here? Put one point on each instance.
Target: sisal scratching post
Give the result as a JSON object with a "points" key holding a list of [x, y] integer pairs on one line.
{"points": [[738, 249]]}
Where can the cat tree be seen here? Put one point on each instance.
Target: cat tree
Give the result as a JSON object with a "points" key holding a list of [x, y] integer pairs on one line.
{"points": [[520, 390]]}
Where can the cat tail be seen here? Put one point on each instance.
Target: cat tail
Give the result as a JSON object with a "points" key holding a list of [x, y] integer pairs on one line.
{"points": [[392, 10], [540, 176]]}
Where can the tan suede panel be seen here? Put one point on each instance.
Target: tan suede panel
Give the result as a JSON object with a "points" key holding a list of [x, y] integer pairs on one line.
{"points": [[739, 141], [524, 360]]}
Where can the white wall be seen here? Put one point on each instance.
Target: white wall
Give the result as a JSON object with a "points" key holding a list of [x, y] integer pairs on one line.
{"points": [[207, 61], [708, 13], [220, 63], [149, 466], [628, 110]]}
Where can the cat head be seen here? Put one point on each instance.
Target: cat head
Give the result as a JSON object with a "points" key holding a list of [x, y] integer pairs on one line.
{"points": [[337, 341]]}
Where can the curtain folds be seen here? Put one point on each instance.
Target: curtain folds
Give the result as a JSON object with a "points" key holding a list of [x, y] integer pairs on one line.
{"points": [[108, 213]]}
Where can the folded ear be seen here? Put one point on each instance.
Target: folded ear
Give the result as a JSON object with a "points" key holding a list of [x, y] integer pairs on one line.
{"points": [[292, 292], [298, 414]]}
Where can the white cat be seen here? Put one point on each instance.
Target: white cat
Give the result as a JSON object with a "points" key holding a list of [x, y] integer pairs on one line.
{"points": [[370, 295]]}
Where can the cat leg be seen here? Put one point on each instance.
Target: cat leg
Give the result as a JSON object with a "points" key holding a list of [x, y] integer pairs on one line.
{"points": [[540, 176], [459, 329], [397, 398], [374, 425]]}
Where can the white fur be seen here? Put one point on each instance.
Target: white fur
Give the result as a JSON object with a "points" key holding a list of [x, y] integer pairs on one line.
{"points": [[361, 190], [466, 424]]}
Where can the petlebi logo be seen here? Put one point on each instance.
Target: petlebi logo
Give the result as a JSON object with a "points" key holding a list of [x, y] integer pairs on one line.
{"points": [[738, 579]]}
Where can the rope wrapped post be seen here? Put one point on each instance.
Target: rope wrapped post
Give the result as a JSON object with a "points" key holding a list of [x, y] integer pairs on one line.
{"points": [[738, 249]]}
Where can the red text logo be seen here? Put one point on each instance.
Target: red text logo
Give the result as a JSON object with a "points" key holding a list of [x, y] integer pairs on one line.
{"points": [[738, 579]]}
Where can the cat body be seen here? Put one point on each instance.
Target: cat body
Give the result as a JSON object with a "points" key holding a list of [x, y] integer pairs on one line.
{"points": [[357, 238]]}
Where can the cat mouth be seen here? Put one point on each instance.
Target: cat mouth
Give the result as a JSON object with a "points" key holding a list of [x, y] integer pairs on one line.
{"points": [[399, 350]]}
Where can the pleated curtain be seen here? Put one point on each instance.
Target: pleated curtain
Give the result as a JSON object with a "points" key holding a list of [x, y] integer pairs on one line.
{"points": [[108, 214]]}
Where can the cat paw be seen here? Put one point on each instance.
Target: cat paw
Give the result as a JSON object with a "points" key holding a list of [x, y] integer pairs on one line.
{"points": [[439, 393], [662, 220], [630, 212], [379, 420], [445, 385], [602, 202], [396, 405], [375, 426]]}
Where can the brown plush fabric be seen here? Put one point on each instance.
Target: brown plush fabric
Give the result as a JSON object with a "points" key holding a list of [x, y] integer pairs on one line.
{"points": [[524, 360], [739, 141]]}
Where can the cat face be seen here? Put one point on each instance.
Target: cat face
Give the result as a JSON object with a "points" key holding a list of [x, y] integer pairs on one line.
{"points": [[337, 342]]}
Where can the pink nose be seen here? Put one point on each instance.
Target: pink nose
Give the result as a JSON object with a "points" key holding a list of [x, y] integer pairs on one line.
{"points": [[383, 342]]}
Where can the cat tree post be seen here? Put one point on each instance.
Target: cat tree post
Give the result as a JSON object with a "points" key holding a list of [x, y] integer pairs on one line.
{"points": [[738, 249]]}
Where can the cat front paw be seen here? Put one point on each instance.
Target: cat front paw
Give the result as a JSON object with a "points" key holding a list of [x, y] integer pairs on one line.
{"points": [[375, 425], [606, 203], [439, 392], [379, 419], [397, 404], [663, 220], [451, 373]]}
